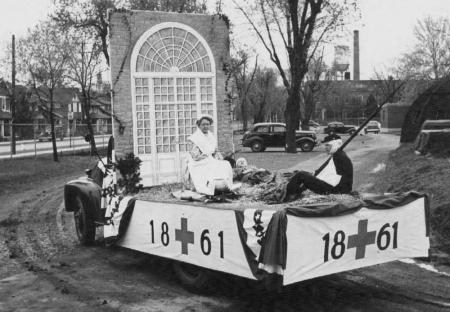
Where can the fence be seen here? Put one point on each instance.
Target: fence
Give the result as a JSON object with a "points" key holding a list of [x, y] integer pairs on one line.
{"points": [[35, 139]]}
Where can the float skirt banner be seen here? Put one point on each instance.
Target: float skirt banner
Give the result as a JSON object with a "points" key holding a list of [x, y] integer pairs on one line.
{"points": [[320, 246], [202, 236]]}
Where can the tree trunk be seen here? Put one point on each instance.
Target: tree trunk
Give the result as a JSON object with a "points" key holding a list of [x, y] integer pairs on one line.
{"points": [[259, 115], [86, 100], [244, 114], [52, 127], [309, 106], [292, 117]]}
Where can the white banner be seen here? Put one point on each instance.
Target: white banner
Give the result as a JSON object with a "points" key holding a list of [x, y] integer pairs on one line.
{"points": [[326, 245], [206, 237]]}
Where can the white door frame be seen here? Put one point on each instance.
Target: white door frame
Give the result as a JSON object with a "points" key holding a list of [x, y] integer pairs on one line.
{"points": [[151, 162]]}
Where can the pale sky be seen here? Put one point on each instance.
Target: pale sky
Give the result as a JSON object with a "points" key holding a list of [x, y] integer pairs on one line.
{"points": [[386, 27]]}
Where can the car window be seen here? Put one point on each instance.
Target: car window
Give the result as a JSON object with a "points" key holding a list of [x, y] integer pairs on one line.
{"points": [[279, 129], [262, 129]]}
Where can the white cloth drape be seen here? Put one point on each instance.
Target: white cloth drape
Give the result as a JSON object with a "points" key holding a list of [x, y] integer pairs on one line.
{"points": [[205, 173], [205, 142]]}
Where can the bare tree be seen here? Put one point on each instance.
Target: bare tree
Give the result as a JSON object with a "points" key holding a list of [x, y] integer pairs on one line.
{"points": [[83, 67], [92, 14], [296, 28], [430, 56], [266, 97], [179, 6], [243, 81], [86, 14], [44, 55], [385, 86], [316, 83]]}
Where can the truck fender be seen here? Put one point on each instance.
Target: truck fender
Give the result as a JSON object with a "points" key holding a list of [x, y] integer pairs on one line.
{"points": [[88, 191]]}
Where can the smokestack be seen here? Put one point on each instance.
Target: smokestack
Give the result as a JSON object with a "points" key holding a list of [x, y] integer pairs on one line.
{"points": [[355, 55]]}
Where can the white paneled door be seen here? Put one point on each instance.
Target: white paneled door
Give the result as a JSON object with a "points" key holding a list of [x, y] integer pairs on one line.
{"points": [[166, 112]]}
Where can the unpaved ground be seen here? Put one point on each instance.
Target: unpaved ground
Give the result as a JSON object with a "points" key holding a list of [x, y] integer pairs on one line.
{"points": [[44, 269]]}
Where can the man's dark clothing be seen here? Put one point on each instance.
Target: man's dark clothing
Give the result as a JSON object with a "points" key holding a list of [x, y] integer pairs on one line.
{"points": [[305, 180]]}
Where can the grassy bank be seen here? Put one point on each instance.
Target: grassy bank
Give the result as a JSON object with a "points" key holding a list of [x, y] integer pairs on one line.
{"points": [[407, 171], [17, 175]]}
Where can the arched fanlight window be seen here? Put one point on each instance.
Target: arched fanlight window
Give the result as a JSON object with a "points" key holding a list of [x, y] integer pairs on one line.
{"points": [[173, 49]]}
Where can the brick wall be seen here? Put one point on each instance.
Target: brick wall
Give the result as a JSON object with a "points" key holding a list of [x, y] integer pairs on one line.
{"points": [[126, 28]]}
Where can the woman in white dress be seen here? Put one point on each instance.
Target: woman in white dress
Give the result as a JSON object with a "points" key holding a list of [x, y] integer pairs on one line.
{"points": [[206, 170]]}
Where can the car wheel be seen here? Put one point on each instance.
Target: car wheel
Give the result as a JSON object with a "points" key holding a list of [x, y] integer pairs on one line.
{"points": [[306, 146], [193, 277], [257, 146], [351, 132], [84, 222]]}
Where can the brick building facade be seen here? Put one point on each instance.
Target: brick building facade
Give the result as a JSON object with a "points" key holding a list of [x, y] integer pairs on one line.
{"points": [[5, 112], [166, 69]]}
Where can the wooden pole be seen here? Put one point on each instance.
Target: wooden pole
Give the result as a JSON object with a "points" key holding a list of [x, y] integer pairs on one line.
{"points": [[13, 98]]}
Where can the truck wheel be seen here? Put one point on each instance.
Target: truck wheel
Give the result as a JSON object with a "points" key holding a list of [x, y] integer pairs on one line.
{"points": [[257, 146], [84, 223], [306, 146], [194, 278]]}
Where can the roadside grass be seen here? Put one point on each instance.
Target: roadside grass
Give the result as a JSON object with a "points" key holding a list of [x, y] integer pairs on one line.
{"points": [[21, 174], [407, 171]]}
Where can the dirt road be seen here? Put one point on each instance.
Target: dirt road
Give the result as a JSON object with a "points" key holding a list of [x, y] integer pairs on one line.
{"points": [[42, 267]]}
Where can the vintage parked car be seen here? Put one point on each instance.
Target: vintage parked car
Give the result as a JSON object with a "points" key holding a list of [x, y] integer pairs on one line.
{"points": [[339, 127], [314, 126], [373, 126], [47, 136], [268, 134]]}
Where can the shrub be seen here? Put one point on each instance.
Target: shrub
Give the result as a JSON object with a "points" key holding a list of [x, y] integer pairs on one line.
{"points": [[130, 175]]}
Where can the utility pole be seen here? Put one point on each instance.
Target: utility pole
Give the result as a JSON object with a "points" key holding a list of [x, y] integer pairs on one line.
{"points": [[13, 98]]}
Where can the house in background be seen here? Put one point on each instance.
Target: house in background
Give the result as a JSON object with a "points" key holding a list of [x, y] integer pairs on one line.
{"points": [[68, 113], [5, 112], [32, 111], [62, 97]]}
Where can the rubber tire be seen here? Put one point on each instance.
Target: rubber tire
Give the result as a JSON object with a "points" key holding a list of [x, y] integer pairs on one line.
{"points": [[257, 146], [351, 132], [84, 223], [194, 278], [306, 146]]}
